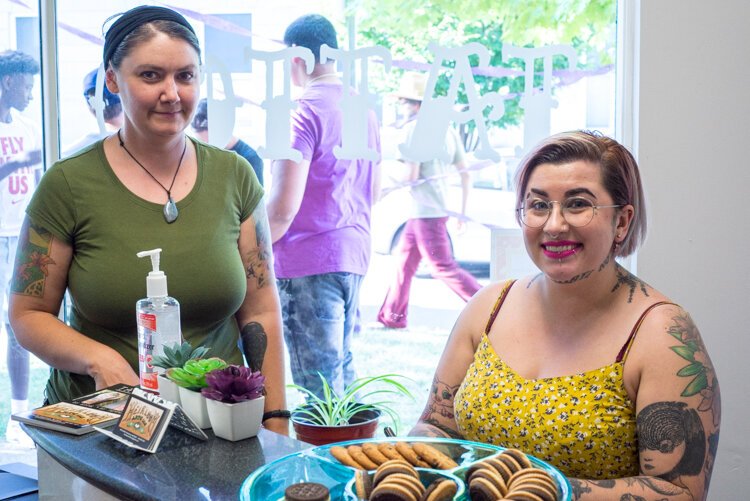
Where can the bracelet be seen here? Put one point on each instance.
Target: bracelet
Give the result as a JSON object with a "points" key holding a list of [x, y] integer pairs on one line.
{"points": [[282, 413]]}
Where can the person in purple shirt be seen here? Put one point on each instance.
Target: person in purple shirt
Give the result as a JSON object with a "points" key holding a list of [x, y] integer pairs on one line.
{"points": [[319, 213]]}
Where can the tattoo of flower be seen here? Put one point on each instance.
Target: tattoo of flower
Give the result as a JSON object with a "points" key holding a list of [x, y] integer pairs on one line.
{"points": [[627, 279], [699, 367], [34, 258]]}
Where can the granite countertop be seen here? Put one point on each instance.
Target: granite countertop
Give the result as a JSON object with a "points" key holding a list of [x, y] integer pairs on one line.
{"points": [[183, 468]]}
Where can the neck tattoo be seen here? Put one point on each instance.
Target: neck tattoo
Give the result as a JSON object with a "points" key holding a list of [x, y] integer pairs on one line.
{"points": [[170, 208]]}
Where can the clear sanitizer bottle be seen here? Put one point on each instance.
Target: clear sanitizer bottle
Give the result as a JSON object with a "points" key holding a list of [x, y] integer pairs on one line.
{"points": [[158, 317]]}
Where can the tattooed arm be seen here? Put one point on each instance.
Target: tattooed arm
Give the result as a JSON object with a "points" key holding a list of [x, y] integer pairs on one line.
{"points": [[38, 285], [679, 414], [287, 190], [259, 317], [438, 418]]}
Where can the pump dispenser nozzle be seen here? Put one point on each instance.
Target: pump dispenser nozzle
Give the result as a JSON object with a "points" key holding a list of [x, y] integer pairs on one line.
{"points": [[156, 282]]}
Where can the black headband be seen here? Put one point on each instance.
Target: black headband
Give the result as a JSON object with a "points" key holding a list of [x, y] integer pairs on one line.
{"points": [[133, 19]]}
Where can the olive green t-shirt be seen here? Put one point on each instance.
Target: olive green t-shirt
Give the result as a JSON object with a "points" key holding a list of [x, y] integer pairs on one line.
{"points": [[82, 202]]}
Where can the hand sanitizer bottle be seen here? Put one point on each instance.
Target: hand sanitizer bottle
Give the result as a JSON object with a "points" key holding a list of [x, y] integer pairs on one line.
{"points": [[158, 318]]}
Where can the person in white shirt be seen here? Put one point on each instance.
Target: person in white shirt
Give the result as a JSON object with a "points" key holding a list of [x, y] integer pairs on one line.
{"points": [[20, 171]]}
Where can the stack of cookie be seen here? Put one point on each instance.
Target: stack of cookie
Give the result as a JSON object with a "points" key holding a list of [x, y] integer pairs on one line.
{"points": [[370, 455], [397, 480], [509, 475]]}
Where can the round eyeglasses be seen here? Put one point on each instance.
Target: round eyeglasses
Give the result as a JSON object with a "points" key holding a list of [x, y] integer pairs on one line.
{"points": [[577, 211]]}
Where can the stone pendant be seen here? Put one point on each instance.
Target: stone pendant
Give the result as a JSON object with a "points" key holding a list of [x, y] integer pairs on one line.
{"points": [[170, 211]]}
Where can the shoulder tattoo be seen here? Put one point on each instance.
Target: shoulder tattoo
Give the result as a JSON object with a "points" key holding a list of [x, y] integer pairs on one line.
{"points": [[33, 258], [259, 264]]}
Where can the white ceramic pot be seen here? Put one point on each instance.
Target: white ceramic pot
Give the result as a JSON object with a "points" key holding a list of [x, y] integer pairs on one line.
{"points": [[168, 389], [236, 421], [194, 405]]}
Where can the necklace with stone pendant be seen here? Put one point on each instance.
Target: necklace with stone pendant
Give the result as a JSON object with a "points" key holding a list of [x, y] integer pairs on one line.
{"points": [[170, 208]]}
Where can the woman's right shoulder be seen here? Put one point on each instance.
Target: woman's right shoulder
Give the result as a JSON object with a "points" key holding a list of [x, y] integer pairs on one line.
{"points": [[475, 315]]}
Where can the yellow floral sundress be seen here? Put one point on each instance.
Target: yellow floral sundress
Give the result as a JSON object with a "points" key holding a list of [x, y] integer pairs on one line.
{"points": [[583, 424]]}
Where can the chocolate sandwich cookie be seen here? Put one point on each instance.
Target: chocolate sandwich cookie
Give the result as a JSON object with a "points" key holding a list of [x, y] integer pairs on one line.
{"points": [[434, 457], [413, 484], [391, 467], [481, 489], [392, 492], [544, 492], [441, 489], [510, 462], [493, 476], [307, 491], [520, 457], [502, 468], [362, 484]]}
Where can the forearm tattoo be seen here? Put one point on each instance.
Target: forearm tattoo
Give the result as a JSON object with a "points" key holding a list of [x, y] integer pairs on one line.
{"points": [[259, 261], [627, 279], [440, 406], [34, 256], [254, 344]]}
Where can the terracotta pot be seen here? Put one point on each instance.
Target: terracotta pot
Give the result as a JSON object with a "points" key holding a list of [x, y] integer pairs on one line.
{"points": [[362, 425]]}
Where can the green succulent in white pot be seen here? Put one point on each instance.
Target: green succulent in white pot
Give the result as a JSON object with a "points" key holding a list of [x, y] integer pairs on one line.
{"points": [[175, 355]]}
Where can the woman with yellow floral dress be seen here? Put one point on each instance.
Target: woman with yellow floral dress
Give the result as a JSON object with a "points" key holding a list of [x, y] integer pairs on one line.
{"points": [[584, 365]]}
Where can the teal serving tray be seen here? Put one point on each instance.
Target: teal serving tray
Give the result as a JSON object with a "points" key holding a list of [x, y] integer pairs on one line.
{"points": [[318, 465]]}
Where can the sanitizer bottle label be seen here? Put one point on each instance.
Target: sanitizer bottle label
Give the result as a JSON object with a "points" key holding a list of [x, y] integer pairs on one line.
{"points": [[146, 333]]}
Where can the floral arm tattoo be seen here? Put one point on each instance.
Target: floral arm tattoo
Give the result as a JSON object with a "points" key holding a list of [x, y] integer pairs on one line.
{"points": [[673, 442], [33, 257], [259, 264], [440, 407]]}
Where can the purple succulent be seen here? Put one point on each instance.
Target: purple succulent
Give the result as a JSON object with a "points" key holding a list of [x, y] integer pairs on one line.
{"points": [[234, 383]]}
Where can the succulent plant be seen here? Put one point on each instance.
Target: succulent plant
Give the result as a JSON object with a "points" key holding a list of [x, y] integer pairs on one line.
{"points": [[177, 355], [193, 374], [234, 383]]}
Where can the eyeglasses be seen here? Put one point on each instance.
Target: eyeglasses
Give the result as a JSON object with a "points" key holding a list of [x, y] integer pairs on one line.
{"points": [[577, 211]]}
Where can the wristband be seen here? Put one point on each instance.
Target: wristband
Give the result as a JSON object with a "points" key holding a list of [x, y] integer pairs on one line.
{"points": [[282, 413]]}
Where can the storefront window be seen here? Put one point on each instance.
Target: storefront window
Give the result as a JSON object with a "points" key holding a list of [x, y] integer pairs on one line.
{"points": [[502, 77]]}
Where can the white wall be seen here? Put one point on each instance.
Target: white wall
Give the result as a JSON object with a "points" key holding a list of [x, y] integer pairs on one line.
{"points": [[694, 134]]}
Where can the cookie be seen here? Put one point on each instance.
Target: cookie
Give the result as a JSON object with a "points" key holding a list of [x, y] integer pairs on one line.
{"points": [[510, 462], [503, 469], [307, 491], [441, 489], [392, 492], [355, 451], [434, 457], [477, 466], [481, 489], [493, 476], [362, 484], [389, 451], [529, 473], [372, 452], [544, 492], [413, 484], [522, 496], [519, 456], [343, 457], [391, 467], [408, 453]]}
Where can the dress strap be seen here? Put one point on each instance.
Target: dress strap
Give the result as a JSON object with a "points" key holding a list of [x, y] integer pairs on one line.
{"points": [[623, 354], [498, 304]]}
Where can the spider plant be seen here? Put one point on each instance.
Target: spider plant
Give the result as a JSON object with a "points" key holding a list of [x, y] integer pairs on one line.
{"points": [[362, 394]]}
